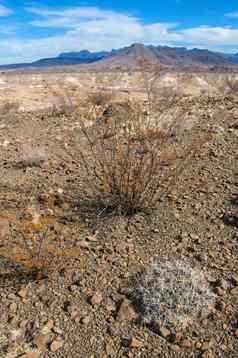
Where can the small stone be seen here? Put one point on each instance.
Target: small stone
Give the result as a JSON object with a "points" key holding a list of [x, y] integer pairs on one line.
{"points": [[219, 291], [56, 345], [16, 335], [74, 288], [234, 291], [23, 323], [194, 237], [110, 307], [86, 320], [74, 315], [207, 345], [12, 296], [5, 143], [236, 332], [220, 306], [198, 345], [92, 238], [48, 327], [126, 312], [13, 307], [31, 355], [207, 355], [135, 343], [41, 341], [223, 347], [223, 284], [175, 347], [187, 343], [23, 292], [84, 244], [4, 228], [57, 330], [96, 299], [234, 279], [164, 332], [69, 307], [14, 320], [50, 324], [77, 319], [109, 349]]}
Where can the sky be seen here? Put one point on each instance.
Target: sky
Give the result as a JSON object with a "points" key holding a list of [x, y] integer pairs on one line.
{"points": [[30, 30]]}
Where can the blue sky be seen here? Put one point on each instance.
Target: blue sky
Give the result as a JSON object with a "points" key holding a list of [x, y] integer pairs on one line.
{"points": [[31, 30]]}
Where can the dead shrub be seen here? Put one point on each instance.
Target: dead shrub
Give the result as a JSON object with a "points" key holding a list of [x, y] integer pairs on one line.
{"points": [[129, 165], [9, 107], [230, 85], [97, 103], [159, 95], [100, 98], [36, 248], [31, 157]]}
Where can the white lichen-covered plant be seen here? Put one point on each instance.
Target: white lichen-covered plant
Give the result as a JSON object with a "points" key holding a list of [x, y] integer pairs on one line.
{"points": [[172, 294], [32, 157]]}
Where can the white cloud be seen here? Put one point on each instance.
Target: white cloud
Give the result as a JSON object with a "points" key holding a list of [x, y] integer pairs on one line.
{"points": [[206, 35], [232, 14], [95, 29], [4, 11]]}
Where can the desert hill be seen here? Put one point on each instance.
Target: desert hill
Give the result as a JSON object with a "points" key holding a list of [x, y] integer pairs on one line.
{"points": [[127, 58]]}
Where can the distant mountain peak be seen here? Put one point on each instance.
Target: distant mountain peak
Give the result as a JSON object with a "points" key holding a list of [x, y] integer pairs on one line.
{"points": [[128, 58]]}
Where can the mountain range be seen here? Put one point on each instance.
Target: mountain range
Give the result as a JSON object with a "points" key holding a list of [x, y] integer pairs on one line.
{"points": [[128, 58]]}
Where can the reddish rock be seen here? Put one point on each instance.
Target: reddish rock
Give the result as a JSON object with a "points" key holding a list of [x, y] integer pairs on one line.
{"points": [[126, 312], [56, 345], [96, 299], [4, 229], [135, 343], [41, 341]]}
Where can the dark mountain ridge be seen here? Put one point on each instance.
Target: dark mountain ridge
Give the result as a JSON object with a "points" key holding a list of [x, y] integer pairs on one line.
{"points": [[128, 57]]}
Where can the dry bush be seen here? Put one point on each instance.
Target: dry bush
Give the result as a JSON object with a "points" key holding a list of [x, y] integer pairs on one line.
{"points": [[62, 105], [34, 247], [9, 107], [128, 165], [172, 293], [230, 85], [31, 157], [98, 102], [100, 98], [61, 100], [158, 97]]}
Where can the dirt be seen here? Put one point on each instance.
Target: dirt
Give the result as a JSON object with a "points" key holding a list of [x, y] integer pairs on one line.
{"points": [[85, 309], [44, 89]]}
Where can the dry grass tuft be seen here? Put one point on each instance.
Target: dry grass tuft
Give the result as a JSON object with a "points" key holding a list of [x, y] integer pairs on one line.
{"points": [[34, 246]]}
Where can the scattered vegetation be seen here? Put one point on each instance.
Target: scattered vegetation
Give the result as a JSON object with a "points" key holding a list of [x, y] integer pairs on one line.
{"points": [[172, 293]]}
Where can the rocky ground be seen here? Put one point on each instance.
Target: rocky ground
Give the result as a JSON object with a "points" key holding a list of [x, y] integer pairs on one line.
{"points": [[86, 309]]}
